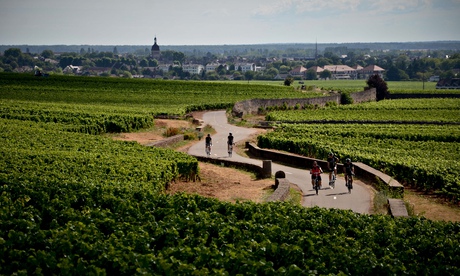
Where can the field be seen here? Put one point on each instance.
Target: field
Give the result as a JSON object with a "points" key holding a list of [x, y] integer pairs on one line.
{"points": [[397, 87], [145, 96], [76, 202]]}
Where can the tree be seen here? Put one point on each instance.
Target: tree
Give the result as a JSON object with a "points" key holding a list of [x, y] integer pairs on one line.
{"points": [[395, 74], [221, 70], [237, 75], [271, 73], [288, 81], [13, 52], [144, 62], [153, 63], [47, 54], [284, 69], [311, 74], [249, 75], [326, 74], [375, 81]]}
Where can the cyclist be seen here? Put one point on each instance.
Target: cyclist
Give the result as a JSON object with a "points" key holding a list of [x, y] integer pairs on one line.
{"points": [[230, 143], [349, 171], [332, 161], [316, 173], [208, 144]]}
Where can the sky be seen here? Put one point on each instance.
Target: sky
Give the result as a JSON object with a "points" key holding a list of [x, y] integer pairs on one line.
{"points": [[225, 22]]}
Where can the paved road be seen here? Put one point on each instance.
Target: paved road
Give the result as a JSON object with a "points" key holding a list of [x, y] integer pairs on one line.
{"points": [[359, 200]]}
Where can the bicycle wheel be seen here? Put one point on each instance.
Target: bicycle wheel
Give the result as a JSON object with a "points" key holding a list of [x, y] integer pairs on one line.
{"points": [[230, 150], [332, 183], [316, 186], [350, 186]]}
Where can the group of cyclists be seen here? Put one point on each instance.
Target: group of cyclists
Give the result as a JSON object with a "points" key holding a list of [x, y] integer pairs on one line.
{"points": [[230, 143], [332, 160], [316, 171]]}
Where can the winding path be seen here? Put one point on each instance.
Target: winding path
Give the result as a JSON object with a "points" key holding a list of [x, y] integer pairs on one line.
{"points": [[358, 201]]}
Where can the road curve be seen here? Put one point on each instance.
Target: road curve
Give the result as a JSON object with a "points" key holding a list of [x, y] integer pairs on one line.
{"points": [[358, 201]]}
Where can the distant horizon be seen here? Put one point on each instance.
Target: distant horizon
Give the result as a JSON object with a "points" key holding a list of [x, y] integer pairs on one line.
{"points": [[237, 22], [242, 44]]}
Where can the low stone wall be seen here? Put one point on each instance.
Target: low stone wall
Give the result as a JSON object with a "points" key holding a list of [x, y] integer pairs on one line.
{"points": [[259, 171], [292, 159], [397, 208], [371, 175], [367, 95], [166, 142], [282, 192], [253, 106]]}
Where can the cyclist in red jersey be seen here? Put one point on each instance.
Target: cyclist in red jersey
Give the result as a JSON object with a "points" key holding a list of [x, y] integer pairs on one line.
{"points": [[316, 172]]}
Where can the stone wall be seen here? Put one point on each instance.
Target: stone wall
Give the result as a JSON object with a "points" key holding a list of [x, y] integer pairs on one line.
{"points": [[367, 95], [253, 106], [166, 142], [282, 192], [259, 171]]}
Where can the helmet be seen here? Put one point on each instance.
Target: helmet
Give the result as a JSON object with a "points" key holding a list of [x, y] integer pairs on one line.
{"points": [[230, 134], [330, 153], [348, 160]]}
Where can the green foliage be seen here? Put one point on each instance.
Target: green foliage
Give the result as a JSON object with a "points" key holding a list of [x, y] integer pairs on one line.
{"points": [[403, 151], [408, 110], [331, 104], [74, 203], [127, 232], [157, 96], [42, 153], [380, 85], [345, 98], [288, 81], [85, 118]]}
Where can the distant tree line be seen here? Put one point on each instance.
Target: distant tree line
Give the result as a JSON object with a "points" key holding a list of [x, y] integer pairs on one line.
{"points": [[399, 65]]}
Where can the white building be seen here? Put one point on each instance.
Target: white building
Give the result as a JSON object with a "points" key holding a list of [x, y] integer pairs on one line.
{"points": [[299, 71], [213, 66], [245, 67], [193, 68], [72, 69], [164, 67], [341, 72]]}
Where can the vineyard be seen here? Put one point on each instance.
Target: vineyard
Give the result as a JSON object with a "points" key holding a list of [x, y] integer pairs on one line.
{"points": [[153, 96], [421, 155], [413, 110], [395, 87], [73, 202]]}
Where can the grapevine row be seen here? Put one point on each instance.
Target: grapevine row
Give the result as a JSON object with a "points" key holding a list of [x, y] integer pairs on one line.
{"points": [[418, 161], [432, 110]]}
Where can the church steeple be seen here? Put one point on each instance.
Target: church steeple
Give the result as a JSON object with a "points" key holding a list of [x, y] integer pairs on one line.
{"points": [[155, 51]]}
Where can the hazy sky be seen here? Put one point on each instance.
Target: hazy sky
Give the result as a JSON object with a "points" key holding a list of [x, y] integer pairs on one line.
{"points": [[218, 22]]}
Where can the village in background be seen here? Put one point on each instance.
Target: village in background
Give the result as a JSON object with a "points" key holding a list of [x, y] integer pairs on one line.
{"points": [[427, 61]]}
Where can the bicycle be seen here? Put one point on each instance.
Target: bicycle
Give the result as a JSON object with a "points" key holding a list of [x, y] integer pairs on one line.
{"points": [[208, 150], [332, 182], [349, 183], [316, 185], [230, 149]]}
